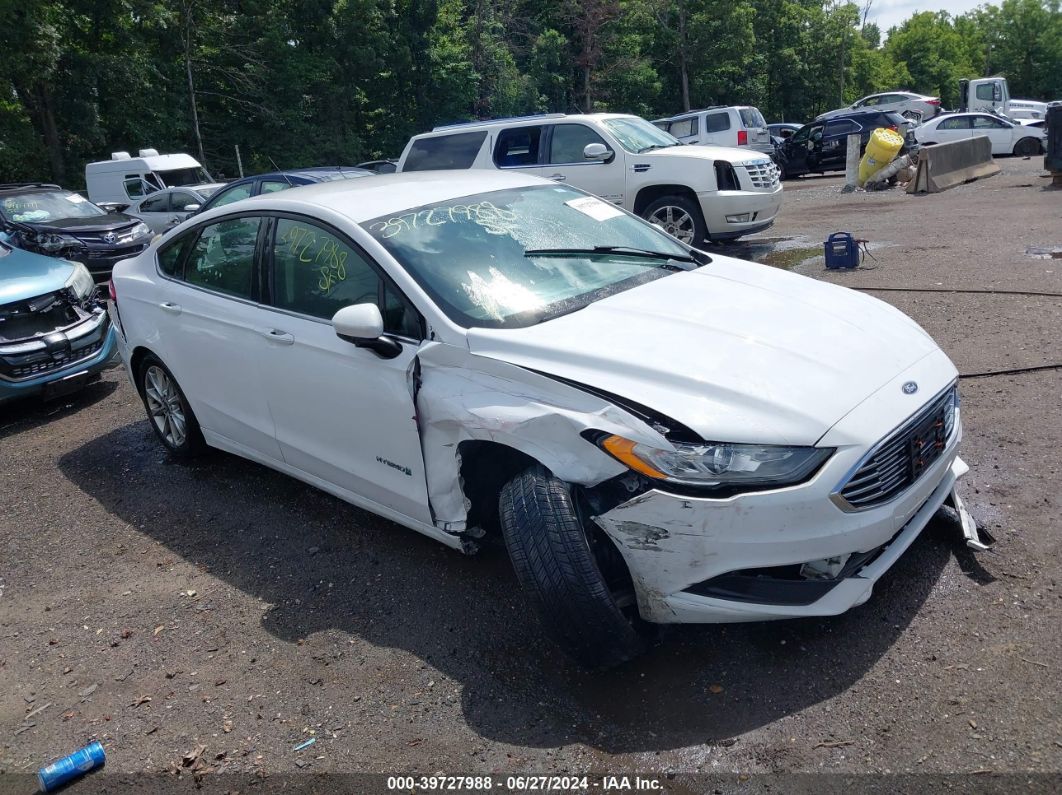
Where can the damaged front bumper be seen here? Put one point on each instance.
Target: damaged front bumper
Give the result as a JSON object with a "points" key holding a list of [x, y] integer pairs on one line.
{"points": [[769, 555]]}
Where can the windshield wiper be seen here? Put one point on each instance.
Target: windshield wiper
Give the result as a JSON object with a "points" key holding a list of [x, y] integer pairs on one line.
{"points": [[651, 147], [622, 250]]}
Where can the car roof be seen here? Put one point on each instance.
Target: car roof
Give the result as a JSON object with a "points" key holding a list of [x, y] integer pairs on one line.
{"points": [[519, 121], [30, 187], [363, 199]]}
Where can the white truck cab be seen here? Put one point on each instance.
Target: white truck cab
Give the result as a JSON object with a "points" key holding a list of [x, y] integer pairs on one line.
{"points": [[993, 93], [124, 179], [695, 193]]}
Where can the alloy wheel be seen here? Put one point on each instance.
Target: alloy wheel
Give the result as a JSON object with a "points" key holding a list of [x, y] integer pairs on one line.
{"points": [[164, 406], [675, 221]]}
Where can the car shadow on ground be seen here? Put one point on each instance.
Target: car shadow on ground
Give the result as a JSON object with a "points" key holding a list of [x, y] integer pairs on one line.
{"points": [[278, 540], [27, 413]]}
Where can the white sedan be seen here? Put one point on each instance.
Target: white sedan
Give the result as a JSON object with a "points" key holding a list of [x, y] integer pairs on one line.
{"points": [[659, 435], [1008, 138], [906, 103]]}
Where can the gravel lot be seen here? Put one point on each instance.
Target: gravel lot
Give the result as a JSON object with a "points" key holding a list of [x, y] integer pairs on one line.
{"points": [[159, 607]]}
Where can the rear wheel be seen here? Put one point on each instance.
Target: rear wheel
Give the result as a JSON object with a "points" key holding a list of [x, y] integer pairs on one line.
{"points": [[1027, 147], [168, 411], [570, 571], [680, 217]]}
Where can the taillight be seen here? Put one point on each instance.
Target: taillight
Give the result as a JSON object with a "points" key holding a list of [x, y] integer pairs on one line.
{"points": [[110, 291], [743, 137], [893, 127], [933, 102]]}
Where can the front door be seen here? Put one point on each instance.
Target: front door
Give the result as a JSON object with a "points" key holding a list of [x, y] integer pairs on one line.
{"points": [[997, 130], [567, 163], [342, 413]]}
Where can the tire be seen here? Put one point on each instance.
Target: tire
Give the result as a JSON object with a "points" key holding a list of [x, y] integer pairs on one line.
{"points": [[559, 573], [168, 411], [1027, 147], [783, 175], [680, 217]]}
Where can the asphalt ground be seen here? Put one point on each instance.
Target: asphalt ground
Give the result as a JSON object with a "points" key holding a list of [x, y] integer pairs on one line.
{"points": [[224, 613]]}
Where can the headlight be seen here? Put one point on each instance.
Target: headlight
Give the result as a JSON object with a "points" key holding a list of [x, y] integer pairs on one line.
{"points": [[56, 242], [80, 281], [719, 463], [140, 230]]}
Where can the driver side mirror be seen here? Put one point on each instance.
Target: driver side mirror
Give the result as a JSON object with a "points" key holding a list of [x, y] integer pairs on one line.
{"points": [[363, 325], [191, 208], [596, 152]]}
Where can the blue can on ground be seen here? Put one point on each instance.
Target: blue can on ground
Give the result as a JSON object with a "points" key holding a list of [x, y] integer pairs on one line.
{"points": [[842, 251], [70, 767]]}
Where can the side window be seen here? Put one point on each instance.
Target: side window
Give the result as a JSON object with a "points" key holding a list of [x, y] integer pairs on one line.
{"points": [[684, 128], [984, 91], [181, 200], [841, 127], [987, 123], [315, 273], [156, 204], [444, 151], [517, 146], [272, 186], [716, 122], [171, 254], [134, 186], [955, 123], [231, 195], [223, 256], [800, 135], [568, 142], [870, 102]]}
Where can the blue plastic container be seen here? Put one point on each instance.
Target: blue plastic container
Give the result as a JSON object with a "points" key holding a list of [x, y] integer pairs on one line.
{"points": [[70, 767], [841, 251]]}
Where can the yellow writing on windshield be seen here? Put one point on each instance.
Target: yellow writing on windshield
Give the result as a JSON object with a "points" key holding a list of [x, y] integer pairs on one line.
{"points": [[496, 220]]}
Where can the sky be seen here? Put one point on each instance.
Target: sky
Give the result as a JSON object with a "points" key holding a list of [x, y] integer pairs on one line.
{"points": [[889, 13]]}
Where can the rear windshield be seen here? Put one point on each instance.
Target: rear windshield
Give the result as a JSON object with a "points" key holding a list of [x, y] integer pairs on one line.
{"points": [[46, 206], [751, 117], [444, 151]]}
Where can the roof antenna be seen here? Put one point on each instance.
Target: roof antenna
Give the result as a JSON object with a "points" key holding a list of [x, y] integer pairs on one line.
{"points": [[276, 168]]}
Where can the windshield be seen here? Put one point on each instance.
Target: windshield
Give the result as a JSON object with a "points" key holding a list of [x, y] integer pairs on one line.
{"points": [[486, 261], [46, 206], [179, 177], [637, 135]]}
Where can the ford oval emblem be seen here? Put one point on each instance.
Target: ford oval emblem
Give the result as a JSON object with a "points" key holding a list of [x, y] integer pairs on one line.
{"points": [[910, 388]]}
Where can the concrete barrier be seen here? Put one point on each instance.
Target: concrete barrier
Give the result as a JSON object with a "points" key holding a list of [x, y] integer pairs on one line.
{"points": [[946, 165]]}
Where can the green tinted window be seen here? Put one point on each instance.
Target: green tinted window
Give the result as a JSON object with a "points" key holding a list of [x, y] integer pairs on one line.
{"points": [[223, 257]]}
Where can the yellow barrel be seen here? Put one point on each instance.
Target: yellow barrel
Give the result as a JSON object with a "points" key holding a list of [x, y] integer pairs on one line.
{"points": [[881, 149]]}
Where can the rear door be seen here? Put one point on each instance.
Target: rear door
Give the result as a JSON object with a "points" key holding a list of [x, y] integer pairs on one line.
{"points": [[565, 162], [718, 131], [834, 151], [950, 128], [343, 414]]}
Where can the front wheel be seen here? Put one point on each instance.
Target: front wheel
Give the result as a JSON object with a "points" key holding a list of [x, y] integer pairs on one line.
{"points": [[680, 217], [168, 411], [559, 559], [1027, 147]]}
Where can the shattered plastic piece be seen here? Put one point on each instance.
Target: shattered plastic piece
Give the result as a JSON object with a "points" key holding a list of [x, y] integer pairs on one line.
{"points": [[70, 767], [305, 744], [969, 525]]}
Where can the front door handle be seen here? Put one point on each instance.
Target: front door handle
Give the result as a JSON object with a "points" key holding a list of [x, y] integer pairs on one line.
{"points": [[558, 177], [169, 306], [278, 336]]}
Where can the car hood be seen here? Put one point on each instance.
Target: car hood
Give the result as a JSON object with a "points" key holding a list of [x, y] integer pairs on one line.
{"points": [[727, 153], [112, 222], [25, 275], [735, 351]]}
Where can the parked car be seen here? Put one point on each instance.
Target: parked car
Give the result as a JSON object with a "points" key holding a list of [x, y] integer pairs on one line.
{"points": [[720, 125], [695, 193], [823, 145], [489, 352], [125, 179], [165, 208], [379, 166], [782, 130], [1008, 138], [280, 180], [55, 335], [917, 106], [50, 220]]}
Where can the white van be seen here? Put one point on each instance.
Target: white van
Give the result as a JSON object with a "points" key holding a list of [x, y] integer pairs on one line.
{"points": [[124, 179]]}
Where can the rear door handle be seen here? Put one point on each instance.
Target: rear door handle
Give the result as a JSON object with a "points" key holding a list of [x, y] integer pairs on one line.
{"points": [[278, 336], [558, 177], [169, 306]]}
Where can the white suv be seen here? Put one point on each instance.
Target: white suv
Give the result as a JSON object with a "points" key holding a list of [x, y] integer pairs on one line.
{"points": [[695, 193], [736, 125]]}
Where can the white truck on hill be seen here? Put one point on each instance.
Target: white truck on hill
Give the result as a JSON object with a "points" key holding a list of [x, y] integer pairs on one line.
{"points": [[993, 94]]}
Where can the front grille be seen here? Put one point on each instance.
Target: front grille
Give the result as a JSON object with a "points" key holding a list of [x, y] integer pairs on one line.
{"points": [[47, 363], [903, 456], [764, 176], [117, 253]]}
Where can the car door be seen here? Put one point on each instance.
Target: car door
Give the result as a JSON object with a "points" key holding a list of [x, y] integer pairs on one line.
{"points": [[179, 200], [155, 212], [834, 147], [951, 128], [814, 147], [211, 327], [567, 163], [998, 131], [343, 414], [794, 150], [717, 129]]}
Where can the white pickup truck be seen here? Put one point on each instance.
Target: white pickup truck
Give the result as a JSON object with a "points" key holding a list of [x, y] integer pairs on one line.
{"points": [[694, 193], [993, 93]]}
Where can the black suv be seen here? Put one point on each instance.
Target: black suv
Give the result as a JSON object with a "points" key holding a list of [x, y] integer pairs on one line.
{"points": [[822, 145], [60, 223]]}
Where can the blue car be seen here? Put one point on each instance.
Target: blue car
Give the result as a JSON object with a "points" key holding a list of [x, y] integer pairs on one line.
{"points": [[55, 334], [280, 180]]}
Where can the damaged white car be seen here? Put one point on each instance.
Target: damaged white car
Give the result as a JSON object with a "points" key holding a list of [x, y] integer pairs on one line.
{"points": [[659, 435]]}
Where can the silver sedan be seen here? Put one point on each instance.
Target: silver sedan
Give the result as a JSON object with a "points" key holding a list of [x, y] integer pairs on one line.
{"points": [[168, 207]]}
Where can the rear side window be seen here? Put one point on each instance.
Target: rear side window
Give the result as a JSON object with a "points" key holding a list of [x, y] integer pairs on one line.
{"points": [[156, 204], [316, 273], [751, 117], [517, 146], [568, 142], [684, 128], [444, 151], [222, 259], [841, 127], [716, 122], [171, 255], [956, 123]]}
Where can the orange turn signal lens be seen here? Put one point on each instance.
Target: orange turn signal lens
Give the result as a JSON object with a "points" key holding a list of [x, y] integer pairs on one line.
{"points": [[623, 450]]}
